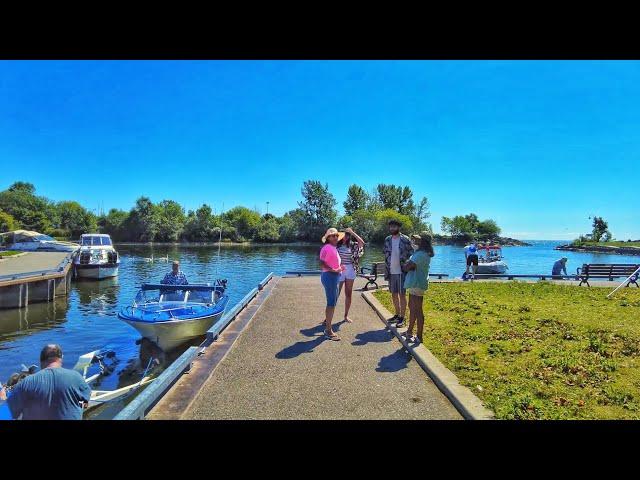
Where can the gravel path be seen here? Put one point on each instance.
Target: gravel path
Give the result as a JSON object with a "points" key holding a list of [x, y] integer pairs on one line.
{"points": [[282, 368]]}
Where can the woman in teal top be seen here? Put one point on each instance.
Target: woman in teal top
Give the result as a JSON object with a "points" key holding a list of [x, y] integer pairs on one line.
{"points": [[417, 282]]}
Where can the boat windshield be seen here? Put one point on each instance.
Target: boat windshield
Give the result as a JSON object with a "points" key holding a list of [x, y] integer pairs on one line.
{"points": [[175, 295], [95, 240], [43, 237]]}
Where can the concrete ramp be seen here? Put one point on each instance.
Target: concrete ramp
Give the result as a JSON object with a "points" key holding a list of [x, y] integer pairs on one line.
{"points": [[281, 367]]}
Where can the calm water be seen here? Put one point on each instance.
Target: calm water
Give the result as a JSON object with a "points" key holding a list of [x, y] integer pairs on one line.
{"points": [[87, 319]]}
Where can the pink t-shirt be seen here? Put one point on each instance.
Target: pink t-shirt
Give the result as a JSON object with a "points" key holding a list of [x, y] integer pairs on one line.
{"points": [[329, 255]]}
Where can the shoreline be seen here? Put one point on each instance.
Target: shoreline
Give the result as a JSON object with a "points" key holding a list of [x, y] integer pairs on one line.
{"points": [[600, 249]]}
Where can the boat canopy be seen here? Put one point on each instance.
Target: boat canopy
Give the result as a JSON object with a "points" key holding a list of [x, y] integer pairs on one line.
{"points": [[94, 240], [21, 236]]}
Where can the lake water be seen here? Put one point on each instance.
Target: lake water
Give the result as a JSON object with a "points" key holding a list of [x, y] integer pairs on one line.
{"points": [[87, 319]]}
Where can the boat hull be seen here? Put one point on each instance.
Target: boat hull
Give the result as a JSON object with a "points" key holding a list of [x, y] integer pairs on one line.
{"points": [[171, 334], [96, 271], [492, 268]]}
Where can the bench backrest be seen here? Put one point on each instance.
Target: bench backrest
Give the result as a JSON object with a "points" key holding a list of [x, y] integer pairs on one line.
{"points": [[613, 269], [378, 268]]}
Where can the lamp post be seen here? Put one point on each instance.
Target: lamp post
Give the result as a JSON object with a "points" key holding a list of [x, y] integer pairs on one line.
{"points": [[267, 208]]}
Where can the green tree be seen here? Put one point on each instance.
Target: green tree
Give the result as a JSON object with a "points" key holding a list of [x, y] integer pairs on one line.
{"points": [[488, 228], [171, 221], [268, 230], [382, 218], [31, 212], [600, 229], [290, 225], [7, 222], [76, 219], [143, 220], [469, 226], [201, 225], [244, 220], [114, 224], [357, 199], [318, 212]]}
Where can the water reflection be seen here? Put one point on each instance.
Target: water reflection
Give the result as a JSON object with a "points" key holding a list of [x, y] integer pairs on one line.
{"points": [[17, 322]]}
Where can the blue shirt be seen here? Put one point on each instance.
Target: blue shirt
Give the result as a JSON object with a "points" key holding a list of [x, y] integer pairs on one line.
{"points": [[559, 267], [50, 394], [178, 279], [419, 278]]}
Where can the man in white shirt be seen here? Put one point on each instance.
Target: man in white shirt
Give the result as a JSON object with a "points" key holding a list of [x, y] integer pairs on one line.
{"points": [[471, 257], [397, 250]]}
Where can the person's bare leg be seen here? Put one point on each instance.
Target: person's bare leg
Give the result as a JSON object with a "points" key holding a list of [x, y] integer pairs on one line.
{"points": [[420, 317], [412, 316], [395, 297], [348, 291], [328, 313], [403, 304]]}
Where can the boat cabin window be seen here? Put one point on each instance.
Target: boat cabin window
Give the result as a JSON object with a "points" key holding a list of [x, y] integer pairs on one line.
{"points": [[89, 241]]}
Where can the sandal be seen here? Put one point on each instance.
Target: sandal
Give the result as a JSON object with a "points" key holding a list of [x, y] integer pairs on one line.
{"points": [[333, 337], [348, 320]]}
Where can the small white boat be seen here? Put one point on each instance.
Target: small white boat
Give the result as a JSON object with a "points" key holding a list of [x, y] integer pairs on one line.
{"points": [[97, 257], [170, 315], [98, 397], [28, 241], [491, 260]]}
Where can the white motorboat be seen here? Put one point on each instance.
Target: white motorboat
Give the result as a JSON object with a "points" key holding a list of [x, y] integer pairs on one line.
{"points": [[97, 257], [170, 315], [490, 260], [28, 241]]}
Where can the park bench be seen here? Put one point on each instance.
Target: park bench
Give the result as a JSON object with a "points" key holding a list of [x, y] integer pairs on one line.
{"points": [[607, 270], [370, 274]]}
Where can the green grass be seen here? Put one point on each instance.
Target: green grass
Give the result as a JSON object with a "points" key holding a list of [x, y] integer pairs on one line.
{"points": [[609, 244], [539, 351], [8, 253]]}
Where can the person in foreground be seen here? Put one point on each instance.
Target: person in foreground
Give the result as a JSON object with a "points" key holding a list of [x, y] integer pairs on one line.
{"points": [[53, 393], [397, 250], [417, 283], [331, 270], [559, 267], [175, 276], [350, 249]]}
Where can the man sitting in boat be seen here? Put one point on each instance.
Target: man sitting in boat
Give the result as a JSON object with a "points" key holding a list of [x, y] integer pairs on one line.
{"points": [[53, 393], [175, 276]]}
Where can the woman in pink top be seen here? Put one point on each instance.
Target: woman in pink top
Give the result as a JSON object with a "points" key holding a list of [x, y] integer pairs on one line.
{"points": [[331, 269]]}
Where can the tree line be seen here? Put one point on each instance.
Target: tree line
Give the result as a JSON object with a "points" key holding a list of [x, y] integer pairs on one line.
{"points": [[367, 212]]}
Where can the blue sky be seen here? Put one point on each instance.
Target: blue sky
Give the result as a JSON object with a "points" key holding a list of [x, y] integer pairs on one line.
{"points": [[531, 144]]}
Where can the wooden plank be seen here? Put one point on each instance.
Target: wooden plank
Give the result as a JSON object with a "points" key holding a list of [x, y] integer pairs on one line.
{"points": [[137, 409]]}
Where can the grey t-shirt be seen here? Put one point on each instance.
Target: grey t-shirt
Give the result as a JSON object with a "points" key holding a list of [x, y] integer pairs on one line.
{"points": [[50, 394]]}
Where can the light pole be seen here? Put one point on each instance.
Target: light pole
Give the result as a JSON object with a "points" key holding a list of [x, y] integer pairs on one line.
{"points": [[267, 208]]}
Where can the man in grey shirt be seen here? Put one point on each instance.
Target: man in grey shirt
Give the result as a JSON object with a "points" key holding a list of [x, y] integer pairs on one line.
{"points": [[53, 393]]}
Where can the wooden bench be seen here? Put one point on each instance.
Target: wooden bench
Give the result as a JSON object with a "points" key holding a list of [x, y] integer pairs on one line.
{"points": [[607, 270], [370, 274]]}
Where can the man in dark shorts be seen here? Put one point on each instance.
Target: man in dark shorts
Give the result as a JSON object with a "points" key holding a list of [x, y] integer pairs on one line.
{"points": [[53, 393], [397, 249], [471, 254]]}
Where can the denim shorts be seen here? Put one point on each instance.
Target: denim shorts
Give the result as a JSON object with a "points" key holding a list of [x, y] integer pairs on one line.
{"points": [[349, 273], [330, 283]]}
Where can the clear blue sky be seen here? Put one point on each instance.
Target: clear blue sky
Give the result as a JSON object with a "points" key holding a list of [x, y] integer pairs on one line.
{"points": [[532, 144]]}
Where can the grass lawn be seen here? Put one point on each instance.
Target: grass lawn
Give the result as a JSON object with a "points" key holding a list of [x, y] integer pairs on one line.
{"points": [[539, 350], [8, 253], [609, 244]]}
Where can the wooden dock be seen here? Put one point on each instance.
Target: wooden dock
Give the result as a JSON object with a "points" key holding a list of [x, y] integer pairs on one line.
{"points": [[272, 362], [34, 277]]}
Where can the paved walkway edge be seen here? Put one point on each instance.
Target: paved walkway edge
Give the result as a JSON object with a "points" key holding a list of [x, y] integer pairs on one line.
{"points": [[469, 406]]}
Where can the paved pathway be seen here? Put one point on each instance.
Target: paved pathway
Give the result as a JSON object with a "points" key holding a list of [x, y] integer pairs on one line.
{"points": [[32, 262], [281, 367]]}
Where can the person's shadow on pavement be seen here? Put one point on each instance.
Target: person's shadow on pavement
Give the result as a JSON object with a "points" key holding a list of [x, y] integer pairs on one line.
{"points": [[298, 348], [372, 336], [394, 362]]}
